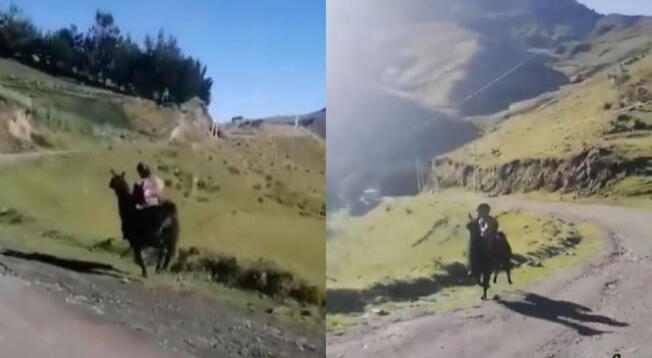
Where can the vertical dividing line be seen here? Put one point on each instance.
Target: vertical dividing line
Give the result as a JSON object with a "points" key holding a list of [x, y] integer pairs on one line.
{"points": [[416, 167], [475, 168]]}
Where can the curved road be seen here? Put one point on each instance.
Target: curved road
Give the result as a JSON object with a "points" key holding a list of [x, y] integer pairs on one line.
{"points": [[586, 312], [10, 158]]}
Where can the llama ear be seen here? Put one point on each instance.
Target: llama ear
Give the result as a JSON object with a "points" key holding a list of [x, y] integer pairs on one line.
{"points": [[113, 172], [470, 217], [123, 174]]}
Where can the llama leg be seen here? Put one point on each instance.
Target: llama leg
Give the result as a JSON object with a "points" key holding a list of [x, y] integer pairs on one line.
{"points": [[509, 274], [139, 260], [168, 257], [170, 243], [486, 277], [159, 259], [496, 275]]}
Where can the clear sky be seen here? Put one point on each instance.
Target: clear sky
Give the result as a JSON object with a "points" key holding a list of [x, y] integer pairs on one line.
{"points": [[265, 57], [626, 7]]}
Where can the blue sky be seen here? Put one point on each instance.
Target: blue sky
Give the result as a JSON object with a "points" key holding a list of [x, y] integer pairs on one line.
{"points": [[627, 7], [266, 57]]}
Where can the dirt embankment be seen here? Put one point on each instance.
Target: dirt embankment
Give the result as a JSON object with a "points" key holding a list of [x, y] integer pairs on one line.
{"points": [[585, 173]]}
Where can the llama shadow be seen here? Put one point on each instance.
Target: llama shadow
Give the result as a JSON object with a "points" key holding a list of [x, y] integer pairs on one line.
{"points": [[85, 267], [569, 314], [450, 275], [352, 300]]}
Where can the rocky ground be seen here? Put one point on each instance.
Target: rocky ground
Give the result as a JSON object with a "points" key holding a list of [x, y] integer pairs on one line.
{"points": [[87, 307]]}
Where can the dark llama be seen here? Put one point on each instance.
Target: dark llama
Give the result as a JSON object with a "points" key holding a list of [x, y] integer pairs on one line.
{"points": [[501, 256], [156, 227], [487, 256]]}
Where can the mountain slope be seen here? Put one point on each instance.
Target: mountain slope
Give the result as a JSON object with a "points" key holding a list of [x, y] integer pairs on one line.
{"points": [[468, 59], [591, 137]]}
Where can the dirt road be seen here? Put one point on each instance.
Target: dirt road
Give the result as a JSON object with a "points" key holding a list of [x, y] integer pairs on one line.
{"points": [[61, 307], [10, 158], [586, 312], [64, 307], [35, 325]]}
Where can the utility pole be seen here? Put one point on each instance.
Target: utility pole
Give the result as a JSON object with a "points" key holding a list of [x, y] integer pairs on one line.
{"points": [[433, 177], [295, 134]]}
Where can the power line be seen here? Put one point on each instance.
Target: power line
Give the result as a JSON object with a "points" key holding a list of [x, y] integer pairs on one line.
{"points": [[510, 71], [474, 94], [428, 122]]}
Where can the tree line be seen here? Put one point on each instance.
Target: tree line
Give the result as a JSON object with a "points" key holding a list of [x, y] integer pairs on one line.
{"points": [[105, 57]]}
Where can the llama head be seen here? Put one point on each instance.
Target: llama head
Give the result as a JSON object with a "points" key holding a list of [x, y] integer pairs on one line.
{"points": [[118, 182]]}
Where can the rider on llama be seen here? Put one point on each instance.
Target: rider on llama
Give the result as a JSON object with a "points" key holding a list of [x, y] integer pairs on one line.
{"points": [[148, 189], [488, 228]]}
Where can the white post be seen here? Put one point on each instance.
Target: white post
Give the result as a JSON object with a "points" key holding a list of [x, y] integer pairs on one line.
{"points": [[434, 181], [293, 139]]}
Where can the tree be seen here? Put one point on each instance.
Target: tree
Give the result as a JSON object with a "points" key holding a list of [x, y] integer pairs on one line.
{"points": [[103, 57], [125, 56], [17, 34]]}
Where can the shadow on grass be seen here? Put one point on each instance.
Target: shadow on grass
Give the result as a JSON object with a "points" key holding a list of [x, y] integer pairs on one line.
{"points": [[451, 275], [86, 267], [569, 314], [350, 300]]}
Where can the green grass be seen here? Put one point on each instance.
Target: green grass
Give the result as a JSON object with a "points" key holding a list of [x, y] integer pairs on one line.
{"points": [[256, 197], [10, 69], [408, 239], [70, 115], [70, 193]]}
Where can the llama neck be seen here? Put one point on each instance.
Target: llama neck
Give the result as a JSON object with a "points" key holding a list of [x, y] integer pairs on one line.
{"points": [[125, 205]]}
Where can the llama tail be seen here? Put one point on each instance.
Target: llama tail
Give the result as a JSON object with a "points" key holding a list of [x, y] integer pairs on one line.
{"points": [[170, 227], [508, 250], [174, 233]]}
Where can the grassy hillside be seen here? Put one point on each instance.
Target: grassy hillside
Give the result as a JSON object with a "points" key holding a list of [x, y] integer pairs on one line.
{"points": [[257, 197], [612, 115], [64, 114], [580, 115], [574, 121]]}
